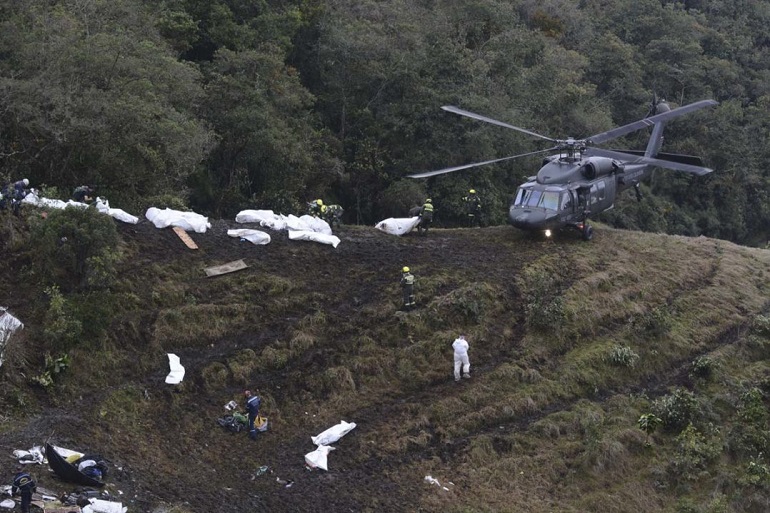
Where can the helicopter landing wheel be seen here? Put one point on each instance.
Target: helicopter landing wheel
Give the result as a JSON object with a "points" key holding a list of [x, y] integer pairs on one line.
{"points": [[588, 232]]}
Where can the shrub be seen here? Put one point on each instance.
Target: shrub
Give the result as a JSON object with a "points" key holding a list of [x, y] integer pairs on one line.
{"points": [[54, 367], [623, 356], [694, 453], [655, 323], [649, 423], [702, 367], [76, 248], [61, 328], [676, 409]]}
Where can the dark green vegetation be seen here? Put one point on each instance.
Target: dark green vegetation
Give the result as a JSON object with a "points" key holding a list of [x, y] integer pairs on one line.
{"points": [[226, 104], [629, 374]]}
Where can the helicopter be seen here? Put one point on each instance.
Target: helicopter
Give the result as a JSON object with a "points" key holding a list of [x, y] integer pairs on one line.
{"points": [[580, 180]]}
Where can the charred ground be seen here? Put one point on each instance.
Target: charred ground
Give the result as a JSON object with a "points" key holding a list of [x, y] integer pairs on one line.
{"points": [[547, 423]]}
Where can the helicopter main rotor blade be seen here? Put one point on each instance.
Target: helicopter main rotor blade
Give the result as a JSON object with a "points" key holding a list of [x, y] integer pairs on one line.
{"points": [[476, 164], [627, 158], [638, 125], [456, 110]]}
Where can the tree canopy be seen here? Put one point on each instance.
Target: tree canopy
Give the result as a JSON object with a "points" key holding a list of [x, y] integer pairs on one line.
{"points": [[228, 104]]}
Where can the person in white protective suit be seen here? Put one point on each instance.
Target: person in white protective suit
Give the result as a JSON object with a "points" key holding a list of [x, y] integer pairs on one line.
{"points": [[460, 345]]}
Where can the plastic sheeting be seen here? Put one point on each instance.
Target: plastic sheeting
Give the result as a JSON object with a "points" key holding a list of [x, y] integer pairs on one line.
{"points": [[103, 206], [334, 433], [398, 226], [8, 326], [317, 458], [254, 236], [34, 455], [102, 506], [315, 237], [32, 198], [188, 221], [268, 219], [176, 375]]}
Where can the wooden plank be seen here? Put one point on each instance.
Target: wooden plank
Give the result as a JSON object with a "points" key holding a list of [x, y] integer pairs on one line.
{"points": [[185, 238], [229, 267]]}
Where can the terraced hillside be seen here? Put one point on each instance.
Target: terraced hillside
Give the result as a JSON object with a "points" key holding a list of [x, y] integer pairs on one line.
{"points": [[571, 342]]}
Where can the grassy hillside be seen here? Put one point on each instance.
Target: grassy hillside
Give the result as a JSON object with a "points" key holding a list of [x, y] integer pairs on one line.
{"points": [[571, 342]]}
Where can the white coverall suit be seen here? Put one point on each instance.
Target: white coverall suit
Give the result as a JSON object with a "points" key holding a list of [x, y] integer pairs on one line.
{"points": [[460, 346]]}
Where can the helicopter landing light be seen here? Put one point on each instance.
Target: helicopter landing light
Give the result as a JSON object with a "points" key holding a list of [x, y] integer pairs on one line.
{"points": [[548, 233]]}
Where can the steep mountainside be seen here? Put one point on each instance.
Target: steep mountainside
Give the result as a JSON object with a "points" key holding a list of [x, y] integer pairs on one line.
{"points": [[571, 342]]}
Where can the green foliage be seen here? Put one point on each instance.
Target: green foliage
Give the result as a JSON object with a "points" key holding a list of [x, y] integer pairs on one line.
{"points": [[649, 423], [623, 356], [677, 409], [694, 453], [703, 367], [76, 249], [757, 473], [654, 323], [543, 303], [750, 436], [61, 327], [52, 371]]}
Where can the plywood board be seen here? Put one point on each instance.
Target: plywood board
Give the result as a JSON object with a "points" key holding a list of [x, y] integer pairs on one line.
{"points": [[226, 268], [185, 238]]}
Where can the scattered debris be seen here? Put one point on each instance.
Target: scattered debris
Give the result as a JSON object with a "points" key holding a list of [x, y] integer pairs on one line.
{"points": [[185, 238], [264, 469], [176, 374], [231, 406], [8, 325], [287, 483], [34, 455], [229, 267], [432, 480]]}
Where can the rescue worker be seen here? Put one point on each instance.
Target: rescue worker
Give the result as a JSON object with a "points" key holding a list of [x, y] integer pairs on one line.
{"points": [[473, 208], [407, 284], [253, 403], [83, 194], [333, 215], [426, 217], [23, 485], [460, 346], [317, 208], [14, 193]]}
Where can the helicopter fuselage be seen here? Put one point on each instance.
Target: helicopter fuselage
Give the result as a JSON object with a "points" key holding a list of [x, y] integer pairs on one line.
{"points": [[569, 188]]}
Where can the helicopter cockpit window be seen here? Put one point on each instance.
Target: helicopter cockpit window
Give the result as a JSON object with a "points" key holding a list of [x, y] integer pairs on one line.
{"points": [[520, 196], [566, 201], [550, 200]]}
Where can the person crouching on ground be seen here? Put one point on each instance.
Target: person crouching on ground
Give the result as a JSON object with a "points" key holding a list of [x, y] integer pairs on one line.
{"points": [[253, 403], [460, 345]]}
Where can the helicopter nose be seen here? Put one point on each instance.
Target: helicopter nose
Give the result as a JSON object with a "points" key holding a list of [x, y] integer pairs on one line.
{"points": [[526, 219]]}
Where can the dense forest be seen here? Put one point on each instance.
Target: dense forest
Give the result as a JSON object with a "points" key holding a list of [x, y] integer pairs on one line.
{"points": [[220, 105]]}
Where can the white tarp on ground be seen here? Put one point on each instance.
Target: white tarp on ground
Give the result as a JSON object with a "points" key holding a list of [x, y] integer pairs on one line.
{"points": [[398, 226], [176, 374], [8, 504], [334, 433], [32, 198], [253, 236], [103, 206], [314, 236], [188, 221], [279, 222], [265, 218], [8, 325], [102, 506], [317, 458]]}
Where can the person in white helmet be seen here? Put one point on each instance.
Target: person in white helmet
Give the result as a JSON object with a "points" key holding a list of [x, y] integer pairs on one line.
{"points": [[460, 346]]}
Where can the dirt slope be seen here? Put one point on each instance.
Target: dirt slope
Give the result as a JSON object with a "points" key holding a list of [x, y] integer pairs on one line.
{"points": [[318, 331]]}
